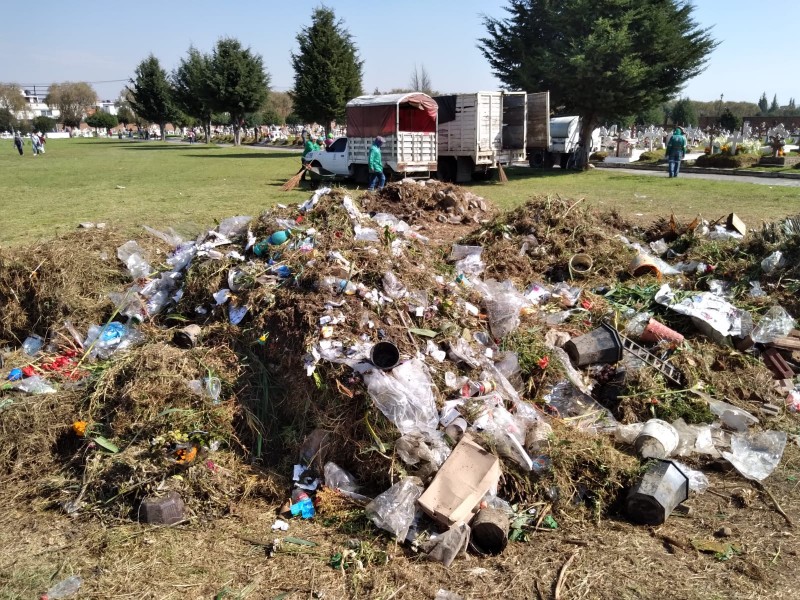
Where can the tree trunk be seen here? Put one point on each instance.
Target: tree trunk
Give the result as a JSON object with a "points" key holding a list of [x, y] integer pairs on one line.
{"points": [[163, 127], [587, 126], [207, 127], [237, 131]]}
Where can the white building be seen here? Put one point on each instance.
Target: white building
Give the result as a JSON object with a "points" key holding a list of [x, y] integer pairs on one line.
{"points": [[109, 106], [35, 105]]}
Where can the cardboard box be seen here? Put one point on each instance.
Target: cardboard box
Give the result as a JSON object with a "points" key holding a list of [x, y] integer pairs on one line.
{"points": [[455, 493], [735, 223]]}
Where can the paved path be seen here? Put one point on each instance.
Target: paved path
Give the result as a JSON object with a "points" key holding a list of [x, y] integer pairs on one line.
{"points": [[770, 181]]}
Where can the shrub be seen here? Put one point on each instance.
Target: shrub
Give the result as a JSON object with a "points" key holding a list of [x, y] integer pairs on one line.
{"points": [[652, 156], [598, 156], [722, 161]]}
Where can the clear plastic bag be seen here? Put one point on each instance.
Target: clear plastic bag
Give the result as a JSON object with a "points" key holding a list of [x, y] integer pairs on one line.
{"points": [[445, 547], [755, 455], [394, 509], [66, 588], [506, 431], [339, 479], [34, 385], [698, 482], [132, 255], [32, 344], [393, 287], [416, 449], [169, 236], [776, 323], [503, 305], [234, 226], [404, 396], [773, 261]]}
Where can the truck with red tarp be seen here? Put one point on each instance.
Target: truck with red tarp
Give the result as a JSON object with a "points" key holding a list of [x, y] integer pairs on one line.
{"points": [[408, 124]]}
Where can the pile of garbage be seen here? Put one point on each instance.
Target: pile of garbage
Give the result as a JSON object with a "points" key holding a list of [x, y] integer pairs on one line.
{"points": [[464, 385]]}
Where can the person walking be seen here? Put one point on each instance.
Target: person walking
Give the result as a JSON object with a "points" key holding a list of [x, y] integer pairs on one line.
{"points": [[376, 176], [18, 143], [36, 145], [309, 146], [676, 150], [41, 137]]}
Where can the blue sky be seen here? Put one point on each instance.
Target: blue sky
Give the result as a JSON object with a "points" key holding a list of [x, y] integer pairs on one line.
{"points": [[97, 42]]}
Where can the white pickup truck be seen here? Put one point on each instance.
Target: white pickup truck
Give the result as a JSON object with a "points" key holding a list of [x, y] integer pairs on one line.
{"points": [[408, 125]]}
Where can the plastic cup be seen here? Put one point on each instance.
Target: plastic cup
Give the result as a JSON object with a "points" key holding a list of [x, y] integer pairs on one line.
{"points": [[384, 355]]}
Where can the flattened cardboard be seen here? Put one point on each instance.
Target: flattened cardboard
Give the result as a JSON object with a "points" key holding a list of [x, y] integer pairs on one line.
{"points": [[465, 477]]}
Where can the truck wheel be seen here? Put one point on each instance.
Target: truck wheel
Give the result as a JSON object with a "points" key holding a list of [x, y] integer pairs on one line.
{"points": [[549, 161], [536, 160], [446, 169]]}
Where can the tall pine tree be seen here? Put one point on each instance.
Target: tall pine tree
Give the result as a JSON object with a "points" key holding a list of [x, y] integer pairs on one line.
{"points": [[151, 95], [763, 103], [190, 82], [774, 106], [600, 59], [238, 82], [327, 70]]}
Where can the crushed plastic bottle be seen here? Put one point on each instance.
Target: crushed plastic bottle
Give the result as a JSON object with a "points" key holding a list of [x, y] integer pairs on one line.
{"points": [[64, 589], [32, 344]]}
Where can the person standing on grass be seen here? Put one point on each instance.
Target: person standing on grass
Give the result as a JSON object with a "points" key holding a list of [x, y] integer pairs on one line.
{"points": [[376, 176], [676, 150], [36, 145], [41, 141], [18, 142]]}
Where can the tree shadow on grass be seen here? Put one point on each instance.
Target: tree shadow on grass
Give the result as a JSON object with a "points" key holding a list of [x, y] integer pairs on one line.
{"points": [[171, 147]]}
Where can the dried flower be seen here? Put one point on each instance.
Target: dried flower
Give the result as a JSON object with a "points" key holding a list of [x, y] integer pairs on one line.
{"points": [[79, 427], [543, 362]]}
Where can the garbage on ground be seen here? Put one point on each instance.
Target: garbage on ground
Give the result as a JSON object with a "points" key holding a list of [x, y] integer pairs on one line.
{"points": [[463, 480], [66, 588], [663, 487], [755, 455], [444, 375]]}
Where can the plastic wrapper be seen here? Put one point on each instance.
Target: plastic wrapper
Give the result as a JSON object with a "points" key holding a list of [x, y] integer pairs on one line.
{"points": [[32, 344], [579, 409], [508, 366], [567, 295], [339, 479], [732, 416], [111, 338], [627, 434], [503, 305], [698, 439], [34, 385], [755, 455], [659, 247], [394, 509], [793, 401], [773, 325], [365, 234], [536, 293], [636, 325], [721, 233], [698, 482], [444, 594], [773, 261], [416, 449], [209, 387], [170, 236], [755, 290], [713, 315], [182, 257], [132, 254], [393, 287], [404, 396], [505, 430], [445, 547], [312, 202], [234, 226], [129, 304]]}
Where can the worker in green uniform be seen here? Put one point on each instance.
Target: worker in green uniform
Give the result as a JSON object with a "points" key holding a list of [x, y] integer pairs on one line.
{"points": [[376, 176]]}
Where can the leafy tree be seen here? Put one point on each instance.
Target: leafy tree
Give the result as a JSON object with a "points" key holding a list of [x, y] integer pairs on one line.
{"points": [[44, 124], [729, 121], [327, 71], [72, 99], [600, 59], [238, 82], [192, 87], [279, 106], [421, 81], [774, 106], [125, 115], [763, 103], [8, 122], [653, 116], [683, 113], [11, 98], [101, 120], [151, 95]]}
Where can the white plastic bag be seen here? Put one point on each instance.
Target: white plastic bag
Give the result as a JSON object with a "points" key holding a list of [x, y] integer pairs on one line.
{"points": [[776, 323], [132, 255]]}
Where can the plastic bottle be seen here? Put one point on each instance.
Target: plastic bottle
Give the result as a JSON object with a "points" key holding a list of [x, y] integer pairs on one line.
{"points": [[339, 285], [477, 388], [32, 344], [64, 589]]}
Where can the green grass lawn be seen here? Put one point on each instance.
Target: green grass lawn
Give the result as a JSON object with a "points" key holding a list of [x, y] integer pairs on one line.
{"points": [[191, 187]]}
